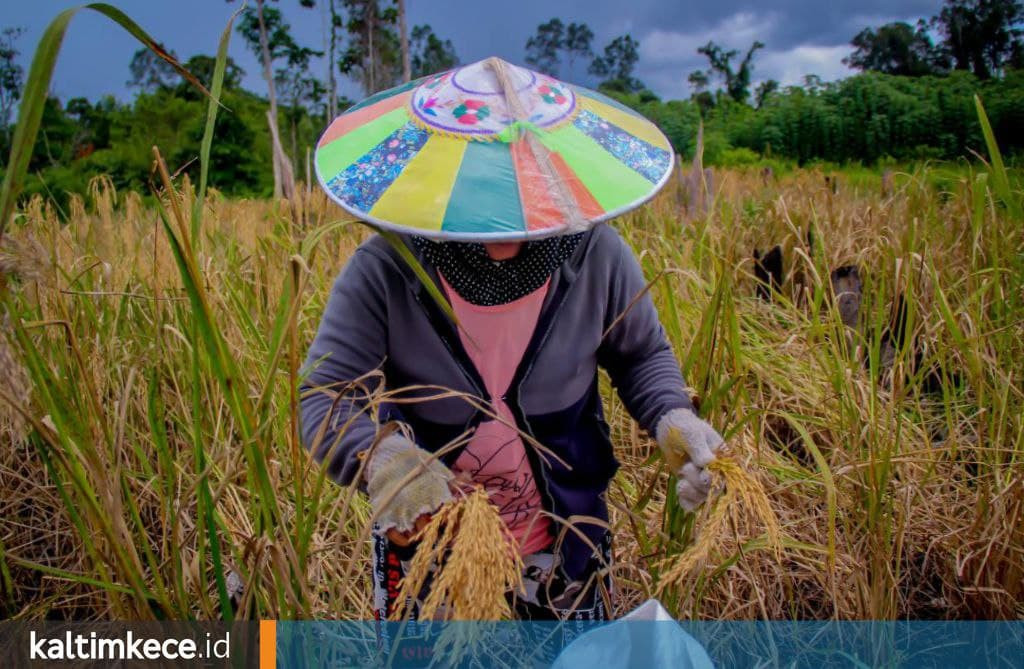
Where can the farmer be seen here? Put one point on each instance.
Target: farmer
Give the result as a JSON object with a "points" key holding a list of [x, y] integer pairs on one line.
{"points": [[535, 319]]}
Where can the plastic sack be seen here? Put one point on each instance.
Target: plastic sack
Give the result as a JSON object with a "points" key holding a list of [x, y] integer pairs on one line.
{"points": [[645, 637]]}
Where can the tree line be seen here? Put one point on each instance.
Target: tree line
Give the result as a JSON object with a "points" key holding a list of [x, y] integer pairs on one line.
{"points": [[913, 99], [263, 139]]}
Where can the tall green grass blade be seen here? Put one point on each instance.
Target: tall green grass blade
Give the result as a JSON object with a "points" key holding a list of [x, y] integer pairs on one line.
{"points": [[159, 587], [72, 577], [216, 87], [207, 510], [226, 372], [827, 481], [204, 333], [1000, 178]]}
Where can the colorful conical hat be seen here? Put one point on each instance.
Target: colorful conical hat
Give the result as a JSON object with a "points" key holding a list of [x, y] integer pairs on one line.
{"points": [[491, 152]]}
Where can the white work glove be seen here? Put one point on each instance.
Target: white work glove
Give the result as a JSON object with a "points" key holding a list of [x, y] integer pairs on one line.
{"points": [[689, 445], [391, 462]]}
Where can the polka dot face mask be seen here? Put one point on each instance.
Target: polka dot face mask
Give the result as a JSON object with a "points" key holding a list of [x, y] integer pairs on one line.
{"points": [[481, 280]]}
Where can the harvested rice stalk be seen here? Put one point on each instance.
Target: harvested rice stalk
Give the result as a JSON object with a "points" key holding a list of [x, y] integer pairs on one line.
{"points": [[743, 493], [470, 558]]}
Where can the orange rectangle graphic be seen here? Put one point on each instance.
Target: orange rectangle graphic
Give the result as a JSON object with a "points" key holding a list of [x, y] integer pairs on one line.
{"points": [[268, 644]]}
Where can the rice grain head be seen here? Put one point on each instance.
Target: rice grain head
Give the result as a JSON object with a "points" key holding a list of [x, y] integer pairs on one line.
{"points": [[23, 258], [743, 494], [471, 560]]}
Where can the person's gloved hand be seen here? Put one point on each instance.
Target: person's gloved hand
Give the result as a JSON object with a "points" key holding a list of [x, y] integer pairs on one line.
{"points": [[403, 506], [689, 445]]}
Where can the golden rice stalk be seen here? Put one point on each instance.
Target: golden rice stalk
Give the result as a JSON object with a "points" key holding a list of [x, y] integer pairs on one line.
{"points": [[23, 258], [12, 424], [743, 494], [471, 560]]}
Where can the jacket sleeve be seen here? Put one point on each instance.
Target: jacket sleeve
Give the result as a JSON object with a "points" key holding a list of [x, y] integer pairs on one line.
{"points": [[635, 351], [349, 344]]}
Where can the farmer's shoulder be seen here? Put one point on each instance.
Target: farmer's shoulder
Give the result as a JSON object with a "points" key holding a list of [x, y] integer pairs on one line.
{"points": [[371, 268], [375, 257], [606, 245]]}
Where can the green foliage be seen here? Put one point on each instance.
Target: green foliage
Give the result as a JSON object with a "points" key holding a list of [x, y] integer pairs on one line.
{"points": [[150, 72], [202, 66], [763, 90], [897, 48], [554, 39], [870, 119], [617, 64], [79, 141], [278, 33], [374, 53], [869, 116], [543, 47], [429, 53], [738, 157], [35, 95], [983, 36], [737, 80], [12, 75]]}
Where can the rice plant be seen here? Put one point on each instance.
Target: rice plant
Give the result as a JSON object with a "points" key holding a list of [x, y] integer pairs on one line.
{"points": [[151, 465]]}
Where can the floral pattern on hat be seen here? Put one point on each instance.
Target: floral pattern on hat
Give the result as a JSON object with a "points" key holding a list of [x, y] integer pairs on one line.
{"points": [[471, 112], [551, 94], [470, 101], [650, 161], [364, 181]]}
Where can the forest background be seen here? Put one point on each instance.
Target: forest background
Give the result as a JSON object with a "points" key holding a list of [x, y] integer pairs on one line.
{"points": [[912, 100]]}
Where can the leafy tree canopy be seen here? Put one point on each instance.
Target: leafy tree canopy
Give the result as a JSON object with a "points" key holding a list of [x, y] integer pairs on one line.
{"points": [[429, 53], [616, 65], [737, 81], [983, 36], [12, 76], [555, 40], [897, 48]]}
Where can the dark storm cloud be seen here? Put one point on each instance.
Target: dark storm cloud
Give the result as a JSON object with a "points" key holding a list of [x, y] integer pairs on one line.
{"points": [[801, 36]]}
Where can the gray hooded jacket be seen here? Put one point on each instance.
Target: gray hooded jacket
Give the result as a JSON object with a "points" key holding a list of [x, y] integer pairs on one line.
{"points": [[380, 318]]}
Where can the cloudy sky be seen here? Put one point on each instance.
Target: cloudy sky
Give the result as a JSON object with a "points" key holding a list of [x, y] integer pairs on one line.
{"points": [[801, 36]]}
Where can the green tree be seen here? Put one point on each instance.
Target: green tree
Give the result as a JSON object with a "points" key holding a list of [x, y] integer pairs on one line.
{"points": [[268, 36], [150, 71], [699, 81], [374, 54], [763, 90], [982, 36], [92, 124], [543, 47], [616, 65], [202, 66], [555, 40], [12, 79], [737, 81], [578, 43], [429, 53], [896, 48], [298, 90], [335, 25]]}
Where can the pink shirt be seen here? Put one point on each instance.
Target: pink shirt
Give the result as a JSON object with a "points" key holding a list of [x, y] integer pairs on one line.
{"points": [[495, 338]]}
